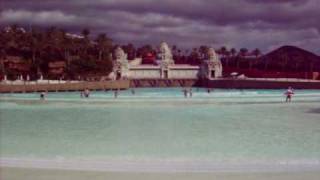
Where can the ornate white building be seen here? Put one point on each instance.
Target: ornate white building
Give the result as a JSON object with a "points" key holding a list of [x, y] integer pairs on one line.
{"points": [[212, 67], [165, 69], [120, 65]]}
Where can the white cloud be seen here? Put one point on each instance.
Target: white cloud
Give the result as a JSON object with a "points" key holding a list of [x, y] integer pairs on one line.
{"points": [[186, 23], [38, 18]]}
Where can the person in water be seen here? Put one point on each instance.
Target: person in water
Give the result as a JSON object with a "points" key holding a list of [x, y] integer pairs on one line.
{"points": [[190, 92], [86, 93], [289, 93], [116, 93], [42, 95], [185, 92]]}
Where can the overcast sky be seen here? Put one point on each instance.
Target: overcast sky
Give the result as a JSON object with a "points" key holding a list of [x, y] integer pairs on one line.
{"points": [[265, 24]]}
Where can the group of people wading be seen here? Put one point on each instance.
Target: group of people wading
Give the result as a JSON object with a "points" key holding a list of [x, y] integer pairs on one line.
{"points": [[86, 93], [186, 91]]}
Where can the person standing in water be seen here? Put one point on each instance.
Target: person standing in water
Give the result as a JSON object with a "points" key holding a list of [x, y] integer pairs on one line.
{"points": [[289, 93], [116, 93], [86, 93], [190, 92], [42, 95], [185, 92], [133, 92]]}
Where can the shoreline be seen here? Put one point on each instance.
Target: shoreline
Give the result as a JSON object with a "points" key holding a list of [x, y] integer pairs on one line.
{"points": [[166, 166], [54, 174], [66, 86], [222, 83]]}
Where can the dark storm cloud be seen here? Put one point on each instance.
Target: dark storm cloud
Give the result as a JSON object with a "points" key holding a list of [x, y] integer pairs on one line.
{"points": [[265, 24]]}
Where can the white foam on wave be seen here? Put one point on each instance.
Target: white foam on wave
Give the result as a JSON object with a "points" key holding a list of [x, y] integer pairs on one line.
{"points": [[164, 165]]}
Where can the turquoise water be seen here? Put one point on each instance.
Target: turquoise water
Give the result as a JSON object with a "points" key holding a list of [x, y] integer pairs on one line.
{"points": [[154, 124]]}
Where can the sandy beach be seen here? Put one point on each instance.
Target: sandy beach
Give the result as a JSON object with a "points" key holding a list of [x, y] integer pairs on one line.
{"points": [[41, 174]]}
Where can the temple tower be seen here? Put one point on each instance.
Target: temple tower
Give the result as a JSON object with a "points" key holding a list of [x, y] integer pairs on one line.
{"points": [[120, 65], [212, 67], [166, 60]]}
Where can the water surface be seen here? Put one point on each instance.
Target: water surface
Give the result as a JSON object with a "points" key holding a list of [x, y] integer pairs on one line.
{"points": [[160, 125]]}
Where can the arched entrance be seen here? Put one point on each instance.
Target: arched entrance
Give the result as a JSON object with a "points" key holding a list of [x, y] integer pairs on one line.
{"points": [[118, 75]]}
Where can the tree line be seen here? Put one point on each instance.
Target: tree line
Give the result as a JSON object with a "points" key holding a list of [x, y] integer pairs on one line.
{"points": [[84, 54], [81, 54]]}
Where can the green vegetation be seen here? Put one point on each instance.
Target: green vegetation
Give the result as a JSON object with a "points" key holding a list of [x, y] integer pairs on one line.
{"points": [[39, 48], [55, 54]]}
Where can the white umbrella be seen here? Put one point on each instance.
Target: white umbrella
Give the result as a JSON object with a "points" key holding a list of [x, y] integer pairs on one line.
{"points": [[234, 74]]}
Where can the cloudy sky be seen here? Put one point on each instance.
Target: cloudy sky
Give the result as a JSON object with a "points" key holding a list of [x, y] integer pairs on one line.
{"points": [[265, 24]]}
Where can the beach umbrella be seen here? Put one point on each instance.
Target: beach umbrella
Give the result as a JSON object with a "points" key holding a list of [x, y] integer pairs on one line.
{"points": [[234, 74]]}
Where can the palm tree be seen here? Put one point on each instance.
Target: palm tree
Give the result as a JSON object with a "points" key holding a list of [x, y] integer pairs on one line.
{"points": [[67, 45], [227, 57], [86, 41], [104, 45], [174, 49], [242, 53], [256, 52], [2, 57], [131, 50], [194, 56], [203, 50], [85, 33], [37, 41], [223, 51], [233, 52]]}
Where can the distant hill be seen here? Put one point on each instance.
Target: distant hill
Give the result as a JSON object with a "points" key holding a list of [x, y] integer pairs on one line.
{"points": [[291, 58]]}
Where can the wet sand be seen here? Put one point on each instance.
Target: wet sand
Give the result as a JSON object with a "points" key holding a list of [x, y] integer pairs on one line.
{"points": [[45, 174]]}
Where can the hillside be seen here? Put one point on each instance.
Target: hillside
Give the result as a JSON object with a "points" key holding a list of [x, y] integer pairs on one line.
{"points": [[291, 58]]}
